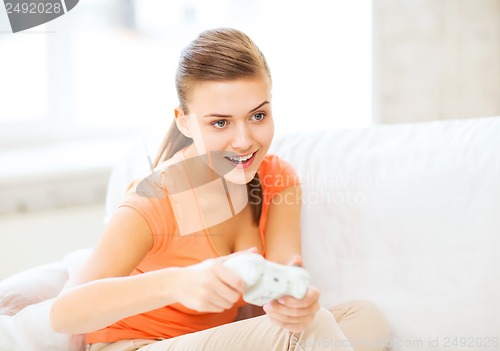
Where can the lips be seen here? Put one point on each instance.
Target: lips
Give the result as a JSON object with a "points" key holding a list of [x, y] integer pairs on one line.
{"points": [[241, 161]]}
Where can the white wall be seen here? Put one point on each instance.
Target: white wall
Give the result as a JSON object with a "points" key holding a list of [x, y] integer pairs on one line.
{"points": [[436, 59], [33, 238]]}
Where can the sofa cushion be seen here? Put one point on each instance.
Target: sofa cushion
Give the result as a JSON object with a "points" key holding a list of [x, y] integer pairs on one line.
{"points": [[31, 286], [25, 302]]}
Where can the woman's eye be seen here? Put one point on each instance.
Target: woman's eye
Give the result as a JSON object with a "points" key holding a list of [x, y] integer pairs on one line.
{"points": [[259, 116], [220, 123]]}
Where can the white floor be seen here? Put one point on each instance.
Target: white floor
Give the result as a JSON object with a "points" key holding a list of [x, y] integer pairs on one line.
{"points": [[41, 237]]}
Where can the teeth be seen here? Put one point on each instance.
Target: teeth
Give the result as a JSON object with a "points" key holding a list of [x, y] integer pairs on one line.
{"points": [[240, 159]]}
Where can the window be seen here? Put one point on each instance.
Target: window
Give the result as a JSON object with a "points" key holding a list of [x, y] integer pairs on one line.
{"points": [[108, 65]]}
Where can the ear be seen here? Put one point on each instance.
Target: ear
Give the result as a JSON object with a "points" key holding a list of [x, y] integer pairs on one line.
{"points": [[181, 122]]}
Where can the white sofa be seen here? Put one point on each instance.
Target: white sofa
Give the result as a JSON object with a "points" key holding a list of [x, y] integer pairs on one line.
{"points": [[406, 216]]}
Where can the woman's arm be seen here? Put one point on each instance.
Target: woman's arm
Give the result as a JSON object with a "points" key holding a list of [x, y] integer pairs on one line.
{"points": [[282, 236], [103, 292], [123, 244], [97, 304], [283, 245], [283, 226]]}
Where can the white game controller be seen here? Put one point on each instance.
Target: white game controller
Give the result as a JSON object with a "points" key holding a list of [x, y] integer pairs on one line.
{"points": [[266, 281]]}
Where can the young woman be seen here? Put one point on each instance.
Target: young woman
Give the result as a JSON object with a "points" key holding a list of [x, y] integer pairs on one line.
{"points": [[156, 280]]}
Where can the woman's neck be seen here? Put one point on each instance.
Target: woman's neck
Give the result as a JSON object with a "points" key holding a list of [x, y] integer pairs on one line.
{"points": [[202, 196]]}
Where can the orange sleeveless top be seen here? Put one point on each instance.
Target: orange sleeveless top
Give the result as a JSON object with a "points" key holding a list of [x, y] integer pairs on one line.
{"points": [[171, 249]]}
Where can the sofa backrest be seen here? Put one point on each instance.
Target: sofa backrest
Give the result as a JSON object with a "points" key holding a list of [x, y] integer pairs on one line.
{"points": [[407, 216]]}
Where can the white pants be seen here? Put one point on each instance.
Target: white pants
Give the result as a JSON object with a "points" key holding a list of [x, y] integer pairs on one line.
{"points": [[355, 325]]}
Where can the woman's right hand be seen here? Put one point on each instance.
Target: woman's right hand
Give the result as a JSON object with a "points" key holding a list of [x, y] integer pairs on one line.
{"points": [[209, 286]]}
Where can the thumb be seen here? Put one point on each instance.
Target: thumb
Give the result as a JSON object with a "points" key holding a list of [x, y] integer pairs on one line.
{"points": [[296, 261], [252, 250]]}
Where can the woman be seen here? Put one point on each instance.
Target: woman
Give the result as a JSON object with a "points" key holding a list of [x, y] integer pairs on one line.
{"points": [[156, 280]]}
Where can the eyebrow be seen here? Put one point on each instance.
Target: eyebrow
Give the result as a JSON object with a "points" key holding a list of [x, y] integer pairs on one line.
{"points": [[228, 116]]}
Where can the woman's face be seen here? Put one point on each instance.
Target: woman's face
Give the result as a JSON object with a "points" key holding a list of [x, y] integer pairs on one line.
{"points": [[232, 122]]}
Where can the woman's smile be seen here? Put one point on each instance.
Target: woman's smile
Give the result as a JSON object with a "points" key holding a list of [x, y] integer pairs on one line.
{"points": [[243, 161]]}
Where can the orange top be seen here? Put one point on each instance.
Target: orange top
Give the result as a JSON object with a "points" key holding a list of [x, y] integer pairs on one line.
{"points": [[171, 249]]}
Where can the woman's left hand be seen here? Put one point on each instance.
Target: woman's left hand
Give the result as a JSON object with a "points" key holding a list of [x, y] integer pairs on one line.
{"points": [[291, 313]]}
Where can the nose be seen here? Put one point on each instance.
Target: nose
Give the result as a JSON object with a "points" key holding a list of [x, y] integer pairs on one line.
{"points": [[242, 138]]}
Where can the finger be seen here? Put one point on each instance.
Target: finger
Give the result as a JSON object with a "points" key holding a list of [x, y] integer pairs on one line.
{"points": [[251, 250], [311, 297], [284, 314], [226, 291], [292, 312], [219, 302], [230, 278], [219, 295], [296, 261], [206, 301], [289, 321], [221, 286]]}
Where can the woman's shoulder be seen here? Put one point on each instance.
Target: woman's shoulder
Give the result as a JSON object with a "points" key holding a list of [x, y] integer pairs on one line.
{"points": [[151, 186], [147, 196], [276, 174], [274, 164]]}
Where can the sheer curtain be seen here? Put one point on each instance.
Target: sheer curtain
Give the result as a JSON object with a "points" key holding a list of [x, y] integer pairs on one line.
{"points": [[107, 66]]}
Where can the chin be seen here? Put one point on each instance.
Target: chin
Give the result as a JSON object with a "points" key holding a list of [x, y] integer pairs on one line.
{"points": [[239, 176]]}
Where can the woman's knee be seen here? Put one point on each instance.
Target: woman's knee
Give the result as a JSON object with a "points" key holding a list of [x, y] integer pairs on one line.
{"points": [[362, 322], [324, 324], [323, 317], [372, 313]]}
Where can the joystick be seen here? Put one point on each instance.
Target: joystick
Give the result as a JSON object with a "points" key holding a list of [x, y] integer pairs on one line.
{"points": [[266, 281]]}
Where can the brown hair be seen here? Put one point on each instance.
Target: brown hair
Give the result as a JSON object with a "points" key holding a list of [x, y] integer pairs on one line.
{"points": [[215, 55]]}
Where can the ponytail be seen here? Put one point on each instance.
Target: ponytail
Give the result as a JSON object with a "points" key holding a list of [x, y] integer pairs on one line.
{"points": [[174, 141]]}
